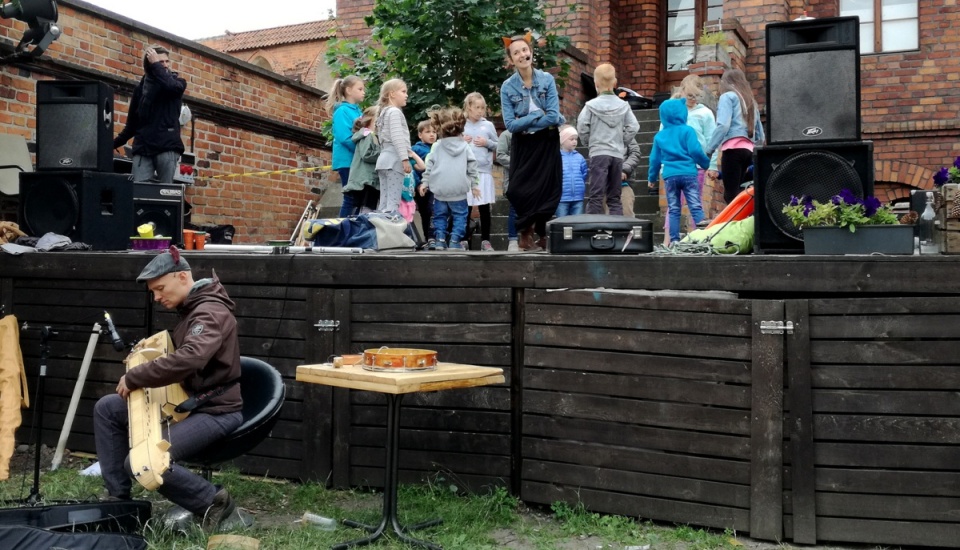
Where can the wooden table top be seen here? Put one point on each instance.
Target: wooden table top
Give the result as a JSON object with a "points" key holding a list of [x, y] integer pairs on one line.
{"points": [[446, 376]]}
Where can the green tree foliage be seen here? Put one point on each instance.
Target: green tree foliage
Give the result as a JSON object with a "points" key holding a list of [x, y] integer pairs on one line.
{"points": [[445, 49]]}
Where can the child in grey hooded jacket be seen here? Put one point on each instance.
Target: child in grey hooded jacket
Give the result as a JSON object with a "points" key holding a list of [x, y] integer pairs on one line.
{"points": [[606, 124], [451, 173]]}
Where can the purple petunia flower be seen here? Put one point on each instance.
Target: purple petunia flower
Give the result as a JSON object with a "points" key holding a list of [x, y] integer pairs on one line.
{"points": [[941, 177], [808, 207], [870, 206], [848, 197], [794, 201], [956, 163]]}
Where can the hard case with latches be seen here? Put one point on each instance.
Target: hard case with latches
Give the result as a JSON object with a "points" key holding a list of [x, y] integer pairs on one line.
{"points": [[600, 234]]}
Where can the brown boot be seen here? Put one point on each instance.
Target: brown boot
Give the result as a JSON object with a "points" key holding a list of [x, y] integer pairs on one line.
{"points": [[542, 243], [526, 239], [221, 509]]}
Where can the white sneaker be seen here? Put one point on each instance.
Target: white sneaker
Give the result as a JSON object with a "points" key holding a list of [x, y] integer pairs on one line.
{"points": [[485, 246], [513, 246]]}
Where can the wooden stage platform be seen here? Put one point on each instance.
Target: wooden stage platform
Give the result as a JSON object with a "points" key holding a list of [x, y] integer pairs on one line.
{"points": [[658, 392]]}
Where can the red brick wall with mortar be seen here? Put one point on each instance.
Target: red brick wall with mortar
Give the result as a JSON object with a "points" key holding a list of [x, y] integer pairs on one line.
{"points": [[261, 207]]}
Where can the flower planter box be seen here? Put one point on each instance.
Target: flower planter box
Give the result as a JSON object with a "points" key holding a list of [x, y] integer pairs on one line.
{"points": [[867, 239]]}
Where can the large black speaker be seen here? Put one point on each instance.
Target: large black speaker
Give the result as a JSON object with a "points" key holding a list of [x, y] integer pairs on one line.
{"points": [[817, 170], [813, 80], [74, 125], [162, 204], [95, 208]]}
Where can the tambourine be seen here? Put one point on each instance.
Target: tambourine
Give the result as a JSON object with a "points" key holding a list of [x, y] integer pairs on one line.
{"points": [[399, 359]]}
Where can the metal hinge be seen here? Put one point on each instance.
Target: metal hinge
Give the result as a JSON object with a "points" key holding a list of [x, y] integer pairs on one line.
{"points": [[776, 327], [327, 325]]}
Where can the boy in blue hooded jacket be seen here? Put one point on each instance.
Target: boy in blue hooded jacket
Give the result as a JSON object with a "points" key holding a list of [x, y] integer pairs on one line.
{"points": [[677, 150]]}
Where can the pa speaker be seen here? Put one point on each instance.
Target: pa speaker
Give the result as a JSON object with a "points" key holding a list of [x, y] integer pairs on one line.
{"points": [[815, 170], [813, 80], [94, 208], [162, 204], [74, 125]]}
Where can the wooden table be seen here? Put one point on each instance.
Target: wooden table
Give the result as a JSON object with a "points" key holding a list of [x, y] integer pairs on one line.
{"points": [[447, 376]]}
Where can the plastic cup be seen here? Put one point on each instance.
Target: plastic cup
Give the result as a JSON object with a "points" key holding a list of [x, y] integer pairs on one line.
{"points": [[189, 237], [199, 240]]}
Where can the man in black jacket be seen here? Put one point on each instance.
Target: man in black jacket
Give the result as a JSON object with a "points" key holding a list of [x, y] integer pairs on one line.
{"points": [[153, 119]]}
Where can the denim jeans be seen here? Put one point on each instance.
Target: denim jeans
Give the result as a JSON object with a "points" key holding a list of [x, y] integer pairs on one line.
{"points": [[163, 164], [442, 212], [673, 187], [348, 207], [569, 208]]}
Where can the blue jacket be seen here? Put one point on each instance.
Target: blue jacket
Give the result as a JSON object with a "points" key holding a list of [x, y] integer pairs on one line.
{"points": [[343, 116], [515, 103], [730, 123], [676, 147], [422, 150], [574, 176]]}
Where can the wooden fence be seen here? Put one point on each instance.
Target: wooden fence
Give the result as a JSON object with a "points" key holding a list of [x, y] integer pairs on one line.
{"points": [[632, 398]]}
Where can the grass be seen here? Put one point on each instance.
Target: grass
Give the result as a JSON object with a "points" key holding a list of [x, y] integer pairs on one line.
{"points": [[476, 522]]}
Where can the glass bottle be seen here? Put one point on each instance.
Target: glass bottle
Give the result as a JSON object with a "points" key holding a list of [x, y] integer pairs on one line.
{"points": [[928, 238]]}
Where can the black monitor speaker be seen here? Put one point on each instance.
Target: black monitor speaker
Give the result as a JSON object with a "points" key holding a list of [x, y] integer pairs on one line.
{"points": [[74, 125], [94, 208], [162, 204], [816, 170], [813, 80]]}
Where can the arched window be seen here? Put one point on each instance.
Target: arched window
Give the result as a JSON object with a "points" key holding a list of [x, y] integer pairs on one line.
{"points": [[685, 22], [262, 62]]}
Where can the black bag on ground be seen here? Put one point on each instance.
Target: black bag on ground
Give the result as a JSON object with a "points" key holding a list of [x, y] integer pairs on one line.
{"points": [[31, 538], [600, 234]]}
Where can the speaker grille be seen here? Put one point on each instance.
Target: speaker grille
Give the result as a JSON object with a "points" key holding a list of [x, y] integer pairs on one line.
{"points": [[818, 174], [50, 208]]}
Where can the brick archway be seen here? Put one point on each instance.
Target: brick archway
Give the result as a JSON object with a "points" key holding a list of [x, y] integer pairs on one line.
{"points": [[895, 179]]}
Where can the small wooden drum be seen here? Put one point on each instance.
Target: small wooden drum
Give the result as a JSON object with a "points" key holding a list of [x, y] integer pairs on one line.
{"points": [[399, 359]]}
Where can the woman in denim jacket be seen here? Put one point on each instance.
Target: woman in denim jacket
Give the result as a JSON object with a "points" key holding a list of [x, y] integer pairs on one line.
{"points": [[531, 111], [738, 131]]}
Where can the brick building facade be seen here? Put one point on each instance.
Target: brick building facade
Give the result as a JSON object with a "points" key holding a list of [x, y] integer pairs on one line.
{"points": [[247, 120], [910, 101]]}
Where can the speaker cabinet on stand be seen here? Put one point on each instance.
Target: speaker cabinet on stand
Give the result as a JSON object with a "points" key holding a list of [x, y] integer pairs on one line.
{"points": [[813, 80], [74, 125], [162, 204], [818, 170], [95, 208]]}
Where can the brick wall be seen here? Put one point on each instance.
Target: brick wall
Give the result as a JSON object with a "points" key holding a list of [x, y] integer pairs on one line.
{"points": [[247, 120]]}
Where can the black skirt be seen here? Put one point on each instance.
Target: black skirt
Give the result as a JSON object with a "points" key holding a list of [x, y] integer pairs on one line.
{"points": [[536, 176]]}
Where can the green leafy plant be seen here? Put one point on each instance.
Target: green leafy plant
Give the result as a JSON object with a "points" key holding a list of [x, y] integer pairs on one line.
{"points": [[708, 38], [445, 49], [844, 210]]}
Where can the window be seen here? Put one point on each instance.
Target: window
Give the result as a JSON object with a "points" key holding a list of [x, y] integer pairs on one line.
{"points": [[896, 29], [685, 20]]}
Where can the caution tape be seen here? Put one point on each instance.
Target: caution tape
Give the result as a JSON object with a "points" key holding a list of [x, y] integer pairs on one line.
{"points": [[269, 173]]}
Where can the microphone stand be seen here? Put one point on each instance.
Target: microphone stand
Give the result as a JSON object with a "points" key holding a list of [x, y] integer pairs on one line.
{"points": [[46, 334]]}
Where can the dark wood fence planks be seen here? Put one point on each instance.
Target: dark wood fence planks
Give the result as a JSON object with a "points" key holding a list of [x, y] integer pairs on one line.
{"points": [[638, 404], [667, 405], [462, 434], [886, 420]]}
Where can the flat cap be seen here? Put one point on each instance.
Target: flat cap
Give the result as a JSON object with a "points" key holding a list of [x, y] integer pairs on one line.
{"points": [[167, 262]]}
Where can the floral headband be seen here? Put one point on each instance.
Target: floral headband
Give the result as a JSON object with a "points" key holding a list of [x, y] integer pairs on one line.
{"points": [[507, 40]]}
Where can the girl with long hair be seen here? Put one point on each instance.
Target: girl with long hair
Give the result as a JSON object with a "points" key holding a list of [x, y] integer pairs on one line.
{"points": [[738, 131], [343, 104]]}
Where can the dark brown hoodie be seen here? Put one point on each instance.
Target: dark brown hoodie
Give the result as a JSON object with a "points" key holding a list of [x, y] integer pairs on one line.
{"points": [[207, 352]]}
